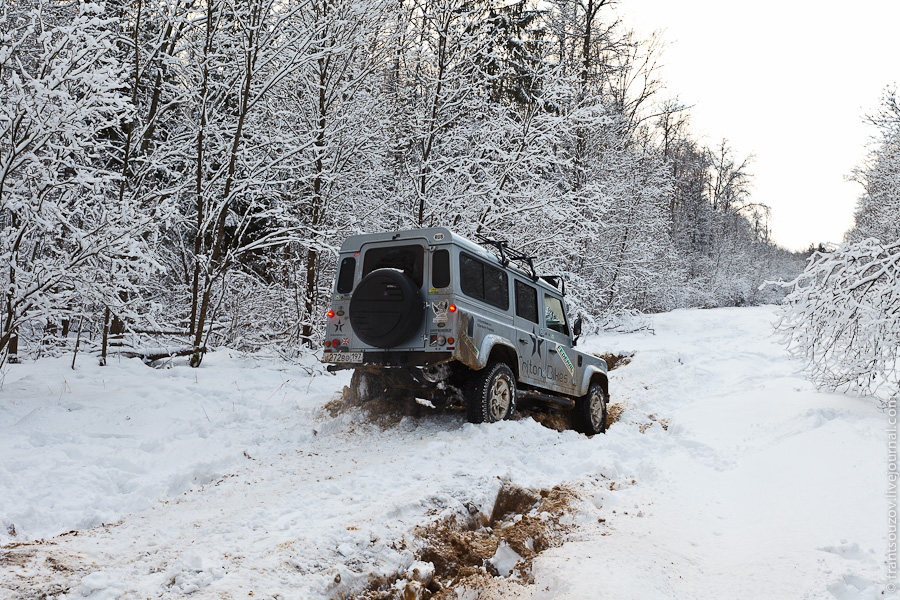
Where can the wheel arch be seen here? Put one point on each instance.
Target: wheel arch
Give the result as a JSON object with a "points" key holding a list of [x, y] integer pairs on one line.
{"points": [[591, 375], [506, 354], [603, 380]]}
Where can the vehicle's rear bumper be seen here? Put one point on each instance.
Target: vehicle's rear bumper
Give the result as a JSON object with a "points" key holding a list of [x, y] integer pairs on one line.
{"points": [[388, 359]]}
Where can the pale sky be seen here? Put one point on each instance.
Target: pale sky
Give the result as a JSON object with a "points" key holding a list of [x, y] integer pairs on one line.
{"points": [[788, 81]]}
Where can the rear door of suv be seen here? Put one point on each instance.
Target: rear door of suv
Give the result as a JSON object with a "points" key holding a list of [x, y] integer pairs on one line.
{"points": [[410, 258]]}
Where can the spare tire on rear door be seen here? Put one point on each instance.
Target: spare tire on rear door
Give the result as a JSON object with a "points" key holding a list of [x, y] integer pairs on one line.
{"points": [[386, 308]]}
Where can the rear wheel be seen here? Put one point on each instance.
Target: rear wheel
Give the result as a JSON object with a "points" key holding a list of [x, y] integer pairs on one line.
{"points": [[492, 396], [590, 411], [366, 386]]}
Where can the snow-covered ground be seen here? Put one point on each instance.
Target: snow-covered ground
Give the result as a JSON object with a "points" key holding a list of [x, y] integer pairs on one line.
{"points": [[232, 481]]}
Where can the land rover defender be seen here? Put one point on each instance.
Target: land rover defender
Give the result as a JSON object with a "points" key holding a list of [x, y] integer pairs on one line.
{"points": [[431, 314]]}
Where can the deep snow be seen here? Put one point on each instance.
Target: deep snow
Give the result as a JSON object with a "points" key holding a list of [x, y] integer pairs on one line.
{"points": [[231, 478]]}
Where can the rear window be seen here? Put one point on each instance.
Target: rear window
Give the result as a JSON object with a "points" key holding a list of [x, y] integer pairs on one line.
{"points": [[403, 258], [483, 282], [345, 275], [440, 269]]}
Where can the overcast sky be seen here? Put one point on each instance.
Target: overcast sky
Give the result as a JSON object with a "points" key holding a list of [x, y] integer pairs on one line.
{"points": [[788, 81]]}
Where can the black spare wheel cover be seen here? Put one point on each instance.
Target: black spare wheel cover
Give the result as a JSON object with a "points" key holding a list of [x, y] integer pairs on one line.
{"points": [[386, 308]]}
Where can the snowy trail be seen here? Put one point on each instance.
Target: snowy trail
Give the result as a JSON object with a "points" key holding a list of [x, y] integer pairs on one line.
{"points": [[232, 479], [772, 490]]}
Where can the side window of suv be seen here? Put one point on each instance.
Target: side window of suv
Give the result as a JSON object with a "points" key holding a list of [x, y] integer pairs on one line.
{"points": [[345, 275], [526, 302], [554, 315], [483, 282], [440, 269]]}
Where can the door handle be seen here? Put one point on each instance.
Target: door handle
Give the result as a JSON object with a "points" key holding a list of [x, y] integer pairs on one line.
{"points": [[521, 341]]}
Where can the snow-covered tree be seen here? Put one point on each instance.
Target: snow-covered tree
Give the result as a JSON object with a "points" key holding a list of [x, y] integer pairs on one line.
{"points": [[232, 61], [843, 313], [65, 236], [878, 209], [330, 114], [237, 143], [443, 83], [842, 318]]}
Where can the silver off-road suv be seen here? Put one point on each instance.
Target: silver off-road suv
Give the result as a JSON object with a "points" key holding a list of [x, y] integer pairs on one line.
{"points": [[430, 314]]}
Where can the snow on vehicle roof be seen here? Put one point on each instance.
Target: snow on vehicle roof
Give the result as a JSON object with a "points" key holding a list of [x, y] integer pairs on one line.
{"points": [[355, 243]]}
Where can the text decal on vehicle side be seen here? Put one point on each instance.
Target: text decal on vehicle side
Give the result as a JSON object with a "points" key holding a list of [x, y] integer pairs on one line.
{"points": [[565, 359]]}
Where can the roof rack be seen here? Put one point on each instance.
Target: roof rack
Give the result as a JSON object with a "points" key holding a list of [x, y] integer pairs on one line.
{"points": [[557, 281], [508, 254]]}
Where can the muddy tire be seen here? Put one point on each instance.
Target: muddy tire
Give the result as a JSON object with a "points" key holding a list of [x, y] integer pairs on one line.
{"points": [[589, 414], [365, 387], [492, 395]]}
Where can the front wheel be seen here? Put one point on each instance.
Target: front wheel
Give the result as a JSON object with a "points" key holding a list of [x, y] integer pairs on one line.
{"points": [[590, 411], [492, 396]]}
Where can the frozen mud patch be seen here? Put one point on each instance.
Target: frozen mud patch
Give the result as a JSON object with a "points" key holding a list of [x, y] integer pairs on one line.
{"points": [[387, 410], [469, 555], [613, 414], [38, 572], [614, 361], [551, 419]]}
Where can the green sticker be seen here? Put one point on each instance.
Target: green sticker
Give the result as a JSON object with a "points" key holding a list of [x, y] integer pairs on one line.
{"points": [[470, 344], [565, 359]]}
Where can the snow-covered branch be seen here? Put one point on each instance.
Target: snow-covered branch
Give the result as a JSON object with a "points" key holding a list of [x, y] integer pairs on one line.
{"points": [[842, 318]]}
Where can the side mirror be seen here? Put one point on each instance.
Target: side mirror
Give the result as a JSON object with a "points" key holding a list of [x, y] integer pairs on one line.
{"points": [[576, 328]]}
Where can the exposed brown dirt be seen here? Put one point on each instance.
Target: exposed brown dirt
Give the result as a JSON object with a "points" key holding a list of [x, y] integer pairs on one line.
{"points": [[613, 414], [664, 423], [386, 411], [23, 559], [614, 361], [528, 524], [15, 555], [389, 409], [551, 419], [513, 500], [528, 521], [336, 406]]}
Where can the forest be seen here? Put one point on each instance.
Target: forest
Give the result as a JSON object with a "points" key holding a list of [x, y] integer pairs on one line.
{"points": [[185, 170]]}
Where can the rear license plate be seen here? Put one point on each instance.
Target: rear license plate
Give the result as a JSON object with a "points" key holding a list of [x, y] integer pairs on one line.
{"points": [[339, 357]]}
